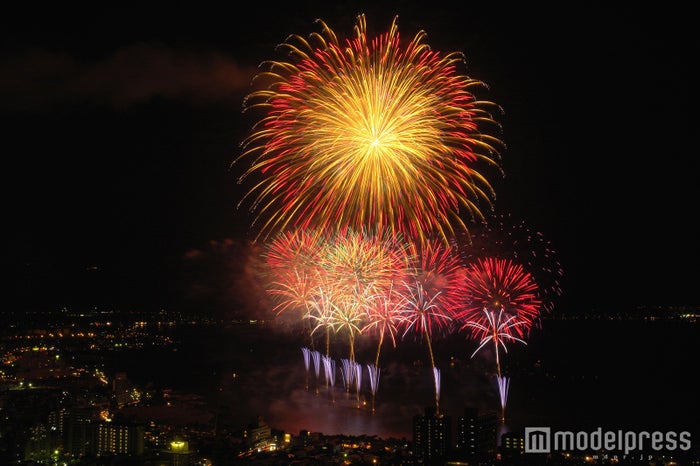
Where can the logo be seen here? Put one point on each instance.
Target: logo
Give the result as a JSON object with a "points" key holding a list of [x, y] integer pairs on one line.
{"points": [[543, 440], [537, 440]]}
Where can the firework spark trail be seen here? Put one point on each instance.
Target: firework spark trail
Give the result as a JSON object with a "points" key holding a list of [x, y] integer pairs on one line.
{"points": [[374, 373], [306, 353], [499, 330], [385, 317], [307, 359], [358, 380], [436, 376], [503, 386], [329, 371], [321, 313], [422, 314], [317, 366], [369, 131], [348, 373], [326, 367], [348, 318]]}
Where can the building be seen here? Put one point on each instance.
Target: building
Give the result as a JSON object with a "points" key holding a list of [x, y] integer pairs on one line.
{"points": [[121, 389], [37, 446], [467, 433], [258, 436], [477, 436], [512, 445], [58, 419], [79, 431], [180, 453], [119, 439], [432, 437]]}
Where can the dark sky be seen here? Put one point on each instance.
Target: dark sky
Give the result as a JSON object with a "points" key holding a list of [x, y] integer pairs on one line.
{"points": [[120, 125]]}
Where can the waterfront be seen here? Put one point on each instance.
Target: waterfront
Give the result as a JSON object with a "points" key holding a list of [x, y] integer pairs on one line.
{"points": [[575, 374]]}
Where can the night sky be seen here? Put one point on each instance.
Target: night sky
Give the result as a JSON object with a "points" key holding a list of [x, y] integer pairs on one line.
{"points": [[120, 125]]}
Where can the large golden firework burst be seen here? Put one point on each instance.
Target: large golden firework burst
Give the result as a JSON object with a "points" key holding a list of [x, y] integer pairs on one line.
{"points": [[368, 133]]}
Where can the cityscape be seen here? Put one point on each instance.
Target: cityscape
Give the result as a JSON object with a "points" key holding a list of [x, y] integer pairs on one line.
{"points": [[74, 392]]}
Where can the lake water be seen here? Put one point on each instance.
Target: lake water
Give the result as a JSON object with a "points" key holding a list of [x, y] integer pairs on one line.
{"points": [[572, 374]]}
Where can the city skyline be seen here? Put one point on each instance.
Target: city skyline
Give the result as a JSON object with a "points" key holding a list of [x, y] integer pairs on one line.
{"points": [[178, 373]]}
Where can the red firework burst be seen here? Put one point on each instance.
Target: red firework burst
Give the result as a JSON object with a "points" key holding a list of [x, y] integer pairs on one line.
{"points": [[501, 287], [505, 237]]}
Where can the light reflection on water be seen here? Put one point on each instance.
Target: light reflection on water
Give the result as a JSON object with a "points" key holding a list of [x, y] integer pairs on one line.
{"points": [[574, 374]]}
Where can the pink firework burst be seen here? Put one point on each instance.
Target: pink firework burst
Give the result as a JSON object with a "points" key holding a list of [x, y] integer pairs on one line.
{"points": [[292, 259]]}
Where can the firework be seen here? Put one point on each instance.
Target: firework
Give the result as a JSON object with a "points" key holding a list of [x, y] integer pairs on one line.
{"points": [[503, 236], [292, 272], [503, 386], [321, 313], [329, 371], [432, 291], [500, 286], [421, 311], [438, 269], [374, 373], [500, 329], [432, 294], [362, 259], [502, 303], [334, 279], [348, 318], [368, 131], [385, 317], [358, 380], [359, 267], [317, 362], [294, 250], [347, 370], [362, 265], [307, 360], [436, 376], [421, 315]]}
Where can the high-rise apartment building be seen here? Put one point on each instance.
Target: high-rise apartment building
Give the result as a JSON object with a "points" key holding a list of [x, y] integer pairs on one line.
{"points": [[431, 437]]}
